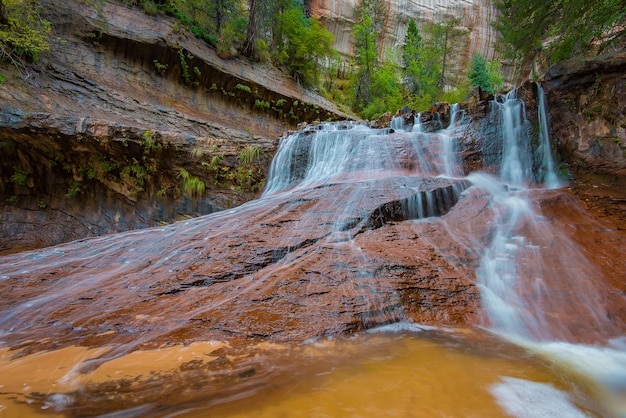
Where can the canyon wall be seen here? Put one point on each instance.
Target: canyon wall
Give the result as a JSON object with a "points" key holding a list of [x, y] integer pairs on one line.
{"points": [[131, 121], [476, 16]]}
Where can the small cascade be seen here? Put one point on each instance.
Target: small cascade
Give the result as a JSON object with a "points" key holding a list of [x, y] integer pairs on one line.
{"points": [[330, 153], [535, 282], [417, 125], [397, 123], [317, 155], [450, 155], [516, 164], [454, 113], [546, 174]]}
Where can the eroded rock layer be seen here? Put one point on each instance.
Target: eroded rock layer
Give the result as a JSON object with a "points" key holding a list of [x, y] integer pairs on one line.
{"points": [[95, 137]]}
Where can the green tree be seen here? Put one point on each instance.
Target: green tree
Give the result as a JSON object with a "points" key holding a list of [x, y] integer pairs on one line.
{"points": [[366, 40], [494, 69], [386, 91], [23, 32], [479, 75], [302, 43], [413, 59], [366, 59], [443, 39], [557, 29]]}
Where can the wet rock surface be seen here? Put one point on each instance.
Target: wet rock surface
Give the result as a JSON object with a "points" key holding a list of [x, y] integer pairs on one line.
{"points": [[265, 272], [587, 102], [286, 277]]}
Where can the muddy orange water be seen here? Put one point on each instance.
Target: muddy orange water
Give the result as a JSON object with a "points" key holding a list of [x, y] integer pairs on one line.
{"points": [[406, 373]]}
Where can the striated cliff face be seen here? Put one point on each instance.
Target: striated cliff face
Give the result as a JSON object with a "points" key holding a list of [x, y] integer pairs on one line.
{"points": [[124, 120], [475, 15]]}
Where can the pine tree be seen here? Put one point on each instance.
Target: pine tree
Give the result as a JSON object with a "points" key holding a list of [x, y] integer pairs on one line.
{"points": [[412, 58], [366, 57], [443, 40], [479, 75]]}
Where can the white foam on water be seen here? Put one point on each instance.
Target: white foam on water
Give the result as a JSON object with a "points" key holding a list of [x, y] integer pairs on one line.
{"points": [[522, 398], [604, 366], [403, 326]]}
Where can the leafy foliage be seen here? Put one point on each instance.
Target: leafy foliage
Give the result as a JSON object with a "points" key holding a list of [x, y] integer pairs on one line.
{"points": [[303, 42], [366, 41], [479, 75], [23, 33], [385, 89], [557, 29]]}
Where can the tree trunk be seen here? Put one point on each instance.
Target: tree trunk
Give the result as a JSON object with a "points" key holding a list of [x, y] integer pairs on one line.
{"points": [[442, 81], [248, 47], [219, 17], [3, 16]]}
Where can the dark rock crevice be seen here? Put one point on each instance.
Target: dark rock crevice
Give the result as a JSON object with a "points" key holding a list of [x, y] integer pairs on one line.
{"points": [[424, 204]]}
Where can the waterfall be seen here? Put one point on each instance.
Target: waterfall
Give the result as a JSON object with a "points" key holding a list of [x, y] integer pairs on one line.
{"points": [[417, 126], [520, 166], [452, 163], [331, 152], [516, 164], [527, 258], [515, 269], [546, 172], [397, 123], [357, 227]]}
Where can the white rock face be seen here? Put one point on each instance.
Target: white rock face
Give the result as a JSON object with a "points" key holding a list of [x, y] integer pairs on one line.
{"points": [[476, 16]]}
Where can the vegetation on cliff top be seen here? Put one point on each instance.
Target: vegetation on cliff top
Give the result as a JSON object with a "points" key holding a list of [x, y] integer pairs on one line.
{"points": [[559, 29], [418, 74], [23, 33]]}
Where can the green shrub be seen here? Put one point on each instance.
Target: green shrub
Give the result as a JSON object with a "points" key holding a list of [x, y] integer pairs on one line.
{"points": [[19, 177], [249, 153], [261, 104], [192, 185], [243, 87], [26, 33], [160, 68]]}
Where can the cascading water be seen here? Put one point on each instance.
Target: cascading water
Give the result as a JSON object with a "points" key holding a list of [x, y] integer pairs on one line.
{"points": [[520, 269], [546, 174], [516, 165], [357, 227]]}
